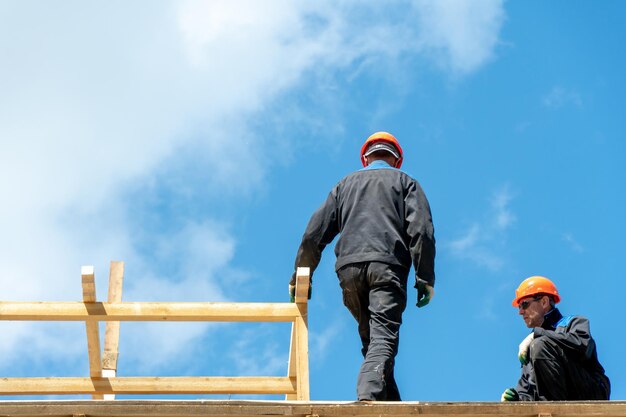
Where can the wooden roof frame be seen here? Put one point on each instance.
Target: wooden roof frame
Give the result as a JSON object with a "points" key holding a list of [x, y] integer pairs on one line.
{"points": [[102, 382]]}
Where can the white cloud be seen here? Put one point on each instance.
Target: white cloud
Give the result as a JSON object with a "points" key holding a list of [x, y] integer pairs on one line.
{"points": [[100, 97], [560, 97], [461, 34], [503, 217], [488, 307], [482, 242], [573, 243], [250, 357], [320, 343], [467, 241], [196, 256]]}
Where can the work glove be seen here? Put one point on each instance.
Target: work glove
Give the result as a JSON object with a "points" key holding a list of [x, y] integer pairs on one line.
{"points": [[509, 394], [424, 293], [524, 349], [292, 293], [292, 290]]}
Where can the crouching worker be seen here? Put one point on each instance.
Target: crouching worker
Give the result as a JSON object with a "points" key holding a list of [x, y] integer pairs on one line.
{"points": [[559, 358]]}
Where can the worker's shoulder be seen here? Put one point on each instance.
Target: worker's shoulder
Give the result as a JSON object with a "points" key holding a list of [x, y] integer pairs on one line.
{"points": [[393, 178], [381, 172], [566, 321]]}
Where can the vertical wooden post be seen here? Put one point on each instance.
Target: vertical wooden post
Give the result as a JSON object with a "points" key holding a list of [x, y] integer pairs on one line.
{"points": [[291, 366], [93, 332], [112, 329], [302, 334]]}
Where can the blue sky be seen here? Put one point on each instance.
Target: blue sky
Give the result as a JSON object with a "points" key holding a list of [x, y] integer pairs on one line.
{"points": [[193, 140]]}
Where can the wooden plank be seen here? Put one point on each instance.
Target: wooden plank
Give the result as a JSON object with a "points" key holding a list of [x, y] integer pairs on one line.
{"points": [[242, 408], [301, 296], [88, 281], [106, 373], [93, 332], [302, 284], [112, 331], [147, 385], [302, 355], [149, 311], [291, 365], [302, 334]]}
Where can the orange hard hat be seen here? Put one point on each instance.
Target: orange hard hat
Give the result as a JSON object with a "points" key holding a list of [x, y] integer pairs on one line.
{"points": [[382, 137], [535, 285]]}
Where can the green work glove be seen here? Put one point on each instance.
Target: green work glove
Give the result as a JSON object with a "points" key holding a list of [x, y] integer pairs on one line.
{"points": [[292, 292], [524, 349], [509, 394], [424, 293]]}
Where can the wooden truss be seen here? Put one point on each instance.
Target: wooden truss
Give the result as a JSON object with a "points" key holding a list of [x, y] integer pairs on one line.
{"points": [[103, 383]]}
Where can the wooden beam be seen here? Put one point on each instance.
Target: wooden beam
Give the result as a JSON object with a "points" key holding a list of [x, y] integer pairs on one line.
{"points": [[112, 329], [291, 365], [112, 332], [298, 347], [149, 311], [87, 275], [302, 333], [250, 408], [303, 283], [148, 385], [93, 332], [302, 355]]}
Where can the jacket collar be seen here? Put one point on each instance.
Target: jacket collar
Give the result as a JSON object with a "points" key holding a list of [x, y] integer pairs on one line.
{"points": [[377, 164], [551, 319]]}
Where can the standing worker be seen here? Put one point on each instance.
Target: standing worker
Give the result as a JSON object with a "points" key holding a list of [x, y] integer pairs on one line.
{"points": [[385, 226], [559, 358]]}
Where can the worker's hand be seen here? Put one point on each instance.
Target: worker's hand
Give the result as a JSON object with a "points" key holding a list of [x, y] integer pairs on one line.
{"points": [[292, 292], [509, 394], [524, 349], [424, 293]]}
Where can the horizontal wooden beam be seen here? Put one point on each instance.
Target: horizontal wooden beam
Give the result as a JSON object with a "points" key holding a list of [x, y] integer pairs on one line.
{"points": [[148, 385], [149, 311], [248, 408]]}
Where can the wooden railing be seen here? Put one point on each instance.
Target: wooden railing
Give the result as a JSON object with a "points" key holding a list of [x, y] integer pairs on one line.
{"points": [[103, 383]]}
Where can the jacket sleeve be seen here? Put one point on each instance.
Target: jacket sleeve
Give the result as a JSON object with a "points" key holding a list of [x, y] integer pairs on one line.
{"points": [[574, 337], [421, 232], [320, 231]]}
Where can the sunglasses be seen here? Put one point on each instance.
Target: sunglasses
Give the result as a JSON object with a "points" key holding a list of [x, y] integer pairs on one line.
{"points": [[523, 305]]}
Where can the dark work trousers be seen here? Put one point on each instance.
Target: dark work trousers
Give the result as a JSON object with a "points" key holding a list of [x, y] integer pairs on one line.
{"points": [[375, 294], [560, 377]]}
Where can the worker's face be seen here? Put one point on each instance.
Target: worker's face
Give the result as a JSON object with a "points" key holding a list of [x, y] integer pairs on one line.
{"points": [[533, 310]]}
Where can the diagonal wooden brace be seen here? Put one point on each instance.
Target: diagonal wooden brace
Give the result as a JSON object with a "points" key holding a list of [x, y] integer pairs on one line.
{"points": [[112, 328]]}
